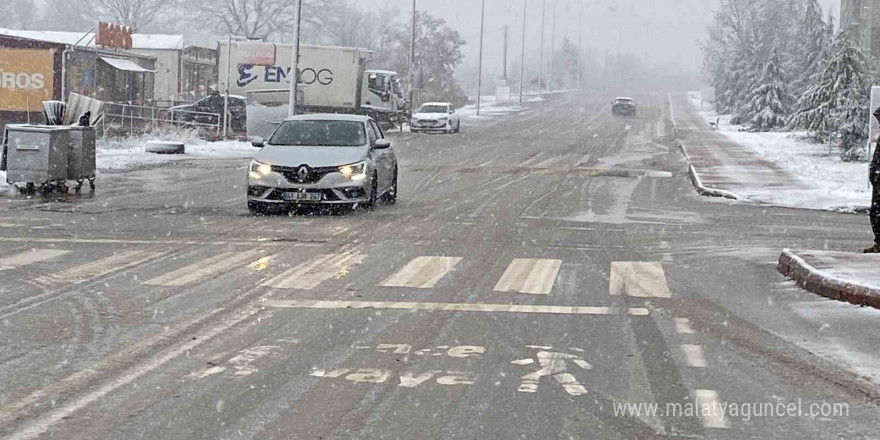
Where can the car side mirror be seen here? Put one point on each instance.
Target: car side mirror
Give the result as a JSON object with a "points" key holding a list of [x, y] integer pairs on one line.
{"points": [[451, 111], [257, 142], [382, 144]]}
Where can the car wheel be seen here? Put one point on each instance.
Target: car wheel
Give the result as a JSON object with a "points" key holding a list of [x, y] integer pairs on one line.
{"points": [[374, 188], [390, 197], [458, 127]]}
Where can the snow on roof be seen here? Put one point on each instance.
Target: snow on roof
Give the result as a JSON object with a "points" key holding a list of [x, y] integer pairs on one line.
{"points": [[436, 103], [382, 72], [139, 41], [157, 41]]}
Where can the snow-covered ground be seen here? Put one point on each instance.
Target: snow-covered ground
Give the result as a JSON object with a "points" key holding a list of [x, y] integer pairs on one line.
{"points": [[129, 153], [835, 184], [124, 154], [489, 106]]}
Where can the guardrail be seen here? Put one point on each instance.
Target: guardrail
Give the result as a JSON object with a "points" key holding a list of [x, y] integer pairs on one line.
{"points": [[121, 118]]}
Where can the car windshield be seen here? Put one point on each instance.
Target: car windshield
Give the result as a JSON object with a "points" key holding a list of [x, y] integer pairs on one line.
{"points": [[433, 109], [320, 133]]}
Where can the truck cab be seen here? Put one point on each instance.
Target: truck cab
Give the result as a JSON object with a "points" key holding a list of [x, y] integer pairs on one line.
{"points": [[382, 94]]}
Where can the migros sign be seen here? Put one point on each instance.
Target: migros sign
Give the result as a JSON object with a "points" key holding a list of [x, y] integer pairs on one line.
{"points": [[26, 79]]}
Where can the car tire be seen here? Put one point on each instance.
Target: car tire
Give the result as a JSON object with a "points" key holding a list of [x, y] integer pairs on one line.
{"points": [[458, 127], [374, 188], [390, 197]]}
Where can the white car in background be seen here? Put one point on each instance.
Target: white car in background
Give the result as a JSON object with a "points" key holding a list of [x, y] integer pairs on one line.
{"points": [[436, 117]]}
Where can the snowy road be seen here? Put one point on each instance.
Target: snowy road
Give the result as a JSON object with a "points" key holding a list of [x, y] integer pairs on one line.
{"points": [[539, 272]]}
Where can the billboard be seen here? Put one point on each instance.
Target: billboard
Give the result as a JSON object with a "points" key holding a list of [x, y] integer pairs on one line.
{"points": [[26, 79]]}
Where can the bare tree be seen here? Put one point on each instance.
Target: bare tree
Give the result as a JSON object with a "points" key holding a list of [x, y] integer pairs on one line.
{"points": [[134, 13], [262, 19]]}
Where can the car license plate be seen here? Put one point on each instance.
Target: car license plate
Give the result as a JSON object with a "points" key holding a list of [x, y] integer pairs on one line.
{"points": [[300, 196]]}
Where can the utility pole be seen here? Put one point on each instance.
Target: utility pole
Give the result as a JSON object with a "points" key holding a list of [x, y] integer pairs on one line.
{"points": [[480, 62], [504, 69], [225, 97], [580, 42], [552, 45], [412, 63], [522, 62], [541, 63], [294, 62]]}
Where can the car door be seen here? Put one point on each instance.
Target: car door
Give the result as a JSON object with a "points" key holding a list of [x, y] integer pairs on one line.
{"points": [[383, 158], [453, 118]]}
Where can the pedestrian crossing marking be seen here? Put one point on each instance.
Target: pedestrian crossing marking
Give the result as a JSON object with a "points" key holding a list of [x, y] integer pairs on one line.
{"points": [[204, 269], [30, 257], [97, 268], [310, 274], [638, 279], [529, 275], [714, 417], [422, 272], [457, 307]]}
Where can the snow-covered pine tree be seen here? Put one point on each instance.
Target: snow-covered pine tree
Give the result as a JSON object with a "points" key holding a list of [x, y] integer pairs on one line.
{"points": [[837, 104], [770, 102], [812, 43]]}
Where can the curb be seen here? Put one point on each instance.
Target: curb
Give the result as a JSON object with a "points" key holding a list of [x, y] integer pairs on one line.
{"points": [[814, 280], [692, 171]]}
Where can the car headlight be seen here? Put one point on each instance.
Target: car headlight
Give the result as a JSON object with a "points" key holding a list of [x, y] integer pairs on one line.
{"points": [[355, 171], [259, 169]]}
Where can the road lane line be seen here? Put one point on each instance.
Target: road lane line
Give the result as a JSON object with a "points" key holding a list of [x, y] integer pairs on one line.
{"points": [[310, 274], [639, 279], [714, 417], [203, 270], [694, 355], [422, 272], [529, 275], [97, 268], [683, 326], [456, 307], [51, 417], [30, 257]]}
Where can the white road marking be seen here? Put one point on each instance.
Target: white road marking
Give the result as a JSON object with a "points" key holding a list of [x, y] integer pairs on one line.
{"points": [[331, 374], [457, 307], [208, 372], [97, 268], [683, 326], [694, 355], [714, 417], [638, 279], [422, 272], [204, 269], [553, 364], [529, 275], [243, 363], [30, 257], [310, 274]]}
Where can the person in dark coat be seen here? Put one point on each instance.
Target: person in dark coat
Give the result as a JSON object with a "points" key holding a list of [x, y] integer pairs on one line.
{"points": [[874, 176]]}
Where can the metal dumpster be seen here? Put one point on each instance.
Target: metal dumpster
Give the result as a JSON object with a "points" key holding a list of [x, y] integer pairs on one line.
{"points": [[81, 159], [37, 155]]}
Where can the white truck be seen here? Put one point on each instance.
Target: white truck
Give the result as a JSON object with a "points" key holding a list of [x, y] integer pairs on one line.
{"points": [[331, 80]]}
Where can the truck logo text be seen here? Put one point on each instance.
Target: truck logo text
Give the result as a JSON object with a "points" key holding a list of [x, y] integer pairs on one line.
{"points": [[277, 74]]}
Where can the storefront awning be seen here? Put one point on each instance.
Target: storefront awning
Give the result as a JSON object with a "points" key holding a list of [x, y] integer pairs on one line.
{"points": [[126, 65]]}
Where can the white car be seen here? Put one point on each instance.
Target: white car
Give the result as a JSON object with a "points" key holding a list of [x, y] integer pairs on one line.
{"points": [[322, 159], [436, 117]]}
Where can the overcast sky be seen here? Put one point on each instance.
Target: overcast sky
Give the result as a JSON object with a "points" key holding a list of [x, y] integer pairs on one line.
{"points": [[667, 30]]}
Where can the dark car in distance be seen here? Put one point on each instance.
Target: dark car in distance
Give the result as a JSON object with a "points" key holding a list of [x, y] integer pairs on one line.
{"points": [[623, 107], [204, 111]]}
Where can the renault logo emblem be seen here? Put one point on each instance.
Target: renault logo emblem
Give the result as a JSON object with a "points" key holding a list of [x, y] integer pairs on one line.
{"points": [[303, 172]]}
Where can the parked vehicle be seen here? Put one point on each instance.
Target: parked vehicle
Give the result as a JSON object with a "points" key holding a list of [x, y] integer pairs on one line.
{"points": [[322, 159], [436, 117], [205, 111], [333, 80], [623, 106]]}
